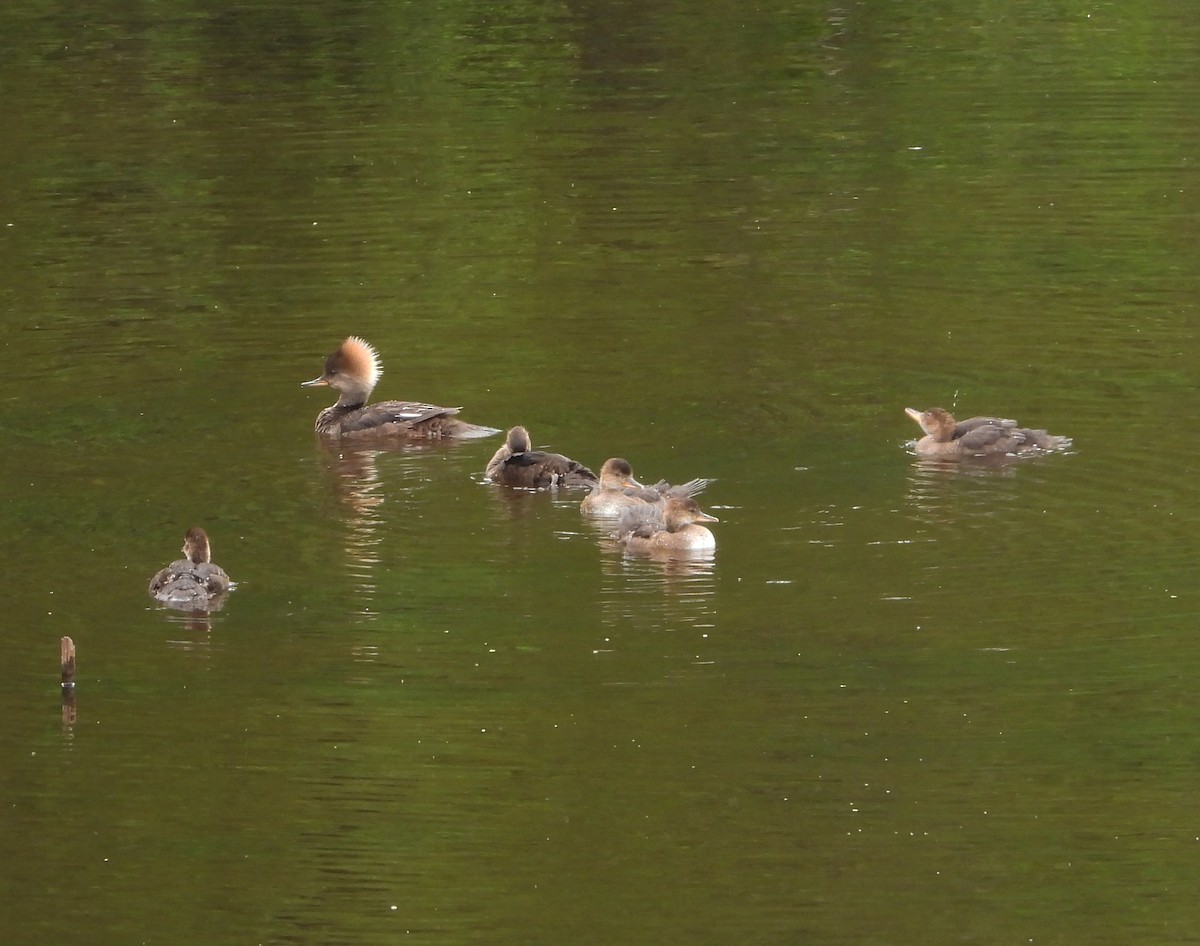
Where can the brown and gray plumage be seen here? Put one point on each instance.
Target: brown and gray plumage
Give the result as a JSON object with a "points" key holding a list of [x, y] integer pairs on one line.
{"points": [[978, 436], [192, 583], [516, 463], [617, 490], [672, 524], [353, 370]]}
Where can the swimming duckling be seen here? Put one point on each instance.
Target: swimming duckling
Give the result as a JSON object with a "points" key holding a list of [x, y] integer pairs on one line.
{"points": [[516, 463], [618, 490], [978, 436], [192, 583], [672, 525]]}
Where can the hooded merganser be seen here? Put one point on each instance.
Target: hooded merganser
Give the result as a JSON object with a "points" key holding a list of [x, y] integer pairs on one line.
{"points": [[978, 436], [192, 583], [673, 524], [354, 370], [618, 490], [518, 464]]}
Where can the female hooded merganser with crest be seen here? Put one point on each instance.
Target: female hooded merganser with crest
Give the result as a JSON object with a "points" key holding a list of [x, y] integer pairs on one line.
{"points": [[673, 525], [617, 490], [978, 436], [354, 370], [192, 583], [518, 464]]}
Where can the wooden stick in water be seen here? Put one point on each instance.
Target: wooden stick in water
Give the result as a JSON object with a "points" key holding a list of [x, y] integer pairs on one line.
{"points": [[68, 663]]}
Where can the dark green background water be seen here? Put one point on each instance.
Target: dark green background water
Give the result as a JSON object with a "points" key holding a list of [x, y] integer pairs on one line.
{"points": [[731, 240]]}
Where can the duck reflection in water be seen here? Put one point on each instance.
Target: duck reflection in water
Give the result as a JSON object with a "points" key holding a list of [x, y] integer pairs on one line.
{"points": [[971, 491], [656, 590], [357, 484], [516, 504], [197, 627], [673, 563]]}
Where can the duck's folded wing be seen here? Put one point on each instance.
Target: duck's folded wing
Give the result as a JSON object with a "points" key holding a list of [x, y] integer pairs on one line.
{"points": [[553, 464], [161, 577], [1044, 439], [551, 461], [394, 412], [642, 521], [213, 578], [168, 573], [989, 435], [964, 427], [497, 463]]}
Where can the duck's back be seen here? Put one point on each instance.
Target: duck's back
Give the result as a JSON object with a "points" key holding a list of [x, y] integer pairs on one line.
{"points": [[605, 503], [643, 529], [535, 469], [185, 584], [990, 438], [1043, 440], [602, 503], [410, 419], [964, 427]]}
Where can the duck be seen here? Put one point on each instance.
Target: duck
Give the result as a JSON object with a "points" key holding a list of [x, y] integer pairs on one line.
{"points": [[673, 525], [194, 582], [978, 436], [353, 370], [617, 490], [516, 463]]}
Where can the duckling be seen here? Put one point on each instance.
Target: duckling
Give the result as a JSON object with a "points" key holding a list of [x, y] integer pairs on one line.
{"points": [[516, 463], [672, 525], [194, 582], [618, 490], [978, 436]]}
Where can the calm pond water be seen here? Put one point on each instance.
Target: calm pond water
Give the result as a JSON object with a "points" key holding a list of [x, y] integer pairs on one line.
{"points": [[901, 704]]}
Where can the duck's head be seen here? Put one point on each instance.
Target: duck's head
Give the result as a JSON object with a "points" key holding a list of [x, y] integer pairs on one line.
{"points": [[353, 369], [684, 511], [618, 474], [195, 546], [936, 422], [519, 441]]}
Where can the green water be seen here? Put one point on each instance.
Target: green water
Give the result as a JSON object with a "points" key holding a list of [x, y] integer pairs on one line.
{"points": [[902, 704]]}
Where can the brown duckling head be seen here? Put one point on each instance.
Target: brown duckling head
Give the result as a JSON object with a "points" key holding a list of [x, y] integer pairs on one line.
{"points": [[618, 474], [679, 512], [519, 440], [195, 546], [936, 422]]}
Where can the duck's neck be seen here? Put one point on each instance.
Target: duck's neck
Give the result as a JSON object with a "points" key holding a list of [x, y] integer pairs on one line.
{"points": [[352, 400], [330, 418]]}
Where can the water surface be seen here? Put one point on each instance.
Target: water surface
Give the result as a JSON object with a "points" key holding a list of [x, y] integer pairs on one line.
{"points": [[901, 703]]}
